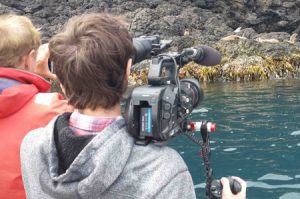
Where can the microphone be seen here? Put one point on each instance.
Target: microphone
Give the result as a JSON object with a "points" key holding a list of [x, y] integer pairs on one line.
{"points": [[143, 49], [203, 55]]}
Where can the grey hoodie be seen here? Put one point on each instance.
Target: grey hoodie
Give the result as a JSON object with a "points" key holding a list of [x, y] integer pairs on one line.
{"points": [[109, 166]]}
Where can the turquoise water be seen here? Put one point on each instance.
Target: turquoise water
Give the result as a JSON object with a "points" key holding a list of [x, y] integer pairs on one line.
{"points": [[257, 137]]}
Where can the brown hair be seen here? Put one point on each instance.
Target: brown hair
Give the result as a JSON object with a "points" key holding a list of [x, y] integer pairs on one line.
{"points": [[18, 37], [90, 58]]}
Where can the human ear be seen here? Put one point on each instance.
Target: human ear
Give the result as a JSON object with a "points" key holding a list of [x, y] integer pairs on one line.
{"points": [[22, 63], [27, 62], [128, 67], [30, 60]]}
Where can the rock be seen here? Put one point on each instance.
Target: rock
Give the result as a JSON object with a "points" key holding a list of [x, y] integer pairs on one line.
{"points": [[293, 39], [280, 36], [239, 29]]}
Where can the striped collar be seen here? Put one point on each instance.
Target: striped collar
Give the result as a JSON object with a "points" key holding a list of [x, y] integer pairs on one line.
{"points": [[85, 125]]}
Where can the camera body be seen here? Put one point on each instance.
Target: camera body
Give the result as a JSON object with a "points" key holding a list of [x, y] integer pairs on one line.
{"points": [[157, 111]]}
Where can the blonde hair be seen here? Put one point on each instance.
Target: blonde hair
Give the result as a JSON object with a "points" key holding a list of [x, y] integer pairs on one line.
{"points": [[18, 37]]}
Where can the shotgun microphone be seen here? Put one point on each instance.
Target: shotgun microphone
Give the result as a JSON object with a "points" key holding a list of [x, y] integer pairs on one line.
{"points": [[203, 55]]}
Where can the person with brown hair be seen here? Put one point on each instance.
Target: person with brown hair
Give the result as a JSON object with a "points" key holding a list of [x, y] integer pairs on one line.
{"points": [[89, 153], [25, 103]]}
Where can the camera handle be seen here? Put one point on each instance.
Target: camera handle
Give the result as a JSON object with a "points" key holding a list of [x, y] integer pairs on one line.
{"points": [[213, 188], [159, 65]]}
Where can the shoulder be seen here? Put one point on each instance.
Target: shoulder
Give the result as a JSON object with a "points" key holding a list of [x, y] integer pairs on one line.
{"points": [[50, 99], [36, 139], [161, 154], [150, 169], [157, 160], [47, 105]]}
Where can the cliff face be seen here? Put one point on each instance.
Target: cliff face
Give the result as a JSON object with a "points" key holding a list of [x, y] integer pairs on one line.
{"points": [[256, 24], [209, 18]]}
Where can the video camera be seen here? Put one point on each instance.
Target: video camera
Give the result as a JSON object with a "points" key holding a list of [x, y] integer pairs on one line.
{"points": [[158, 111]]}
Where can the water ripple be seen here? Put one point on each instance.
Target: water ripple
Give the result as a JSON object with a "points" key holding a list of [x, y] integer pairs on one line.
{"points": [[296, 132], [230, 149], [272, 176], [292, 195], [269, 186]]}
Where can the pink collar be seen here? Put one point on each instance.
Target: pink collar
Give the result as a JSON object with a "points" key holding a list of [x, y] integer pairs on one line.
{"points": [[85, 125]]}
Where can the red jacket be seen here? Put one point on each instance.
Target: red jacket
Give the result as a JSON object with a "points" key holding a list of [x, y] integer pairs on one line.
{"points": [[24, 106]]}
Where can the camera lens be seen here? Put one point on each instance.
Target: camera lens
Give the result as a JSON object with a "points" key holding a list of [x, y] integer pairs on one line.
{"points": [[191, 88], [143, 48]]}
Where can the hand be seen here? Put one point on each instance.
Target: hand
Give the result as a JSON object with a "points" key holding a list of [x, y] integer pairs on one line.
{"points": [[42, 58], [226, 192]]}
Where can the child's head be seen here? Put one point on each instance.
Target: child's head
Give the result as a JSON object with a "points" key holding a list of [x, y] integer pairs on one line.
{"points": [[91, 58], [18, 37]]}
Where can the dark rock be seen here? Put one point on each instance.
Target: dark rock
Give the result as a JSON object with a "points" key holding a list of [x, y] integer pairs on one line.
{"points": [[256, 25], [248, 33], [262, 16]]}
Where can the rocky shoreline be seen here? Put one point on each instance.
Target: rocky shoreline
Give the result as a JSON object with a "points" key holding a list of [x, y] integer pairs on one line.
{"points": [[258, 39]]}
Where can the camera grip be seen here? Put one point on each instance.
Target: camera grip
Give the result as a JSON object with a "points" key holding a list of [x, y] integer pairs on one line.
{"points": [[216, 187], [235, 186]]}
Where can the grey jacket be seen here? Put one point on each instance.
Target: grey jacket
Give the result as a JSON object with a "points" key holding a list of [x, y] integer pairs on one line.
{"points": [[109, 166]]}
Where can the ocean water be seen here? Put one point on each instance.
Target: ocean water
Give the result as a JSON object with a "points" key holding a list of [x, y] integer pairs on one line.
{"points": [[257, 137]]}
